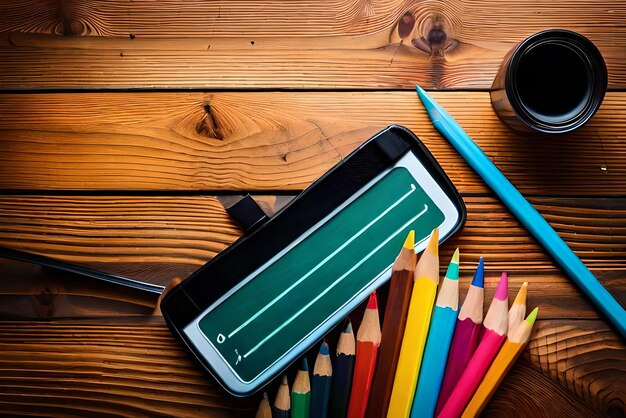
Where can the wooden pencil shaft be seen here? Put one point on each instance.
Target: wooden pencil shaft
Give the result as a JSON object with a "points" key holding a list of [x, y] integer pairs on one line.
{"points": [[413, 343], [366, 355], [394, 323], [464, 342], [341, 385], [496, 373]]}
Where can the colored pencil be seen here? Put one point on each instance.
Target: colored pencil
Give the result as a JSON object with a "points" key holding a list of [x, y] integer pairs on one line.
{"points": [[438, 343], [320, 383], [525, 212], [282, 403], [518, 309], [494, 334], [264, 411], [515, 343], [301, 392], [367, 343], [466, 336], [396, 312], [416, 331], [343, 369]]}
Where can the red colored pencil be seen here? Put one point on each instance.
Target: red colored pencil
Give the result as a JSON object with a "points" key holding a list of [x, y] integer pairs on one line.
{"points": [[495, 324], [466, 335], [367, 343]]}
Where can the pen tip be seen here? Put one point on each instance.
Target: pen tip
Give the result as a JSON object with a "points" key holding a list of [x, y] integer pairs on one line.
{"points": [[479, 275]]}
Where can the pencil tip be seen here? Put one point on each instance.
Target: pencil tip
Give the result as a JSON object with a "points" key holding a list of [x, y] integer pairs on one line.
{"points": [[409, 243], [348, 327], [502, 291], [532, 316], [373, 302], [433, 242], [265, 396], [520, 299], [324, 348], [479, 275], [420, 92], [304, 365], [453, 267], [283, 381]]}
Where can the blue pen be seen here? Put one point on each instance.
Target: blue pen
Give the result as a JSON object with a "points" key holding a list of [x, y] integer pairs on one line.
{"points": [[438, 343], [525, 212]]}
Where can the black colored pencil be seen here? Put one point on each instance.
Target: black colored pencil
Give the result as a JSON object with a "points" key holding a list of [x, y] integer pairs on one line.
{"points": [[343, 370], [282, 404], [320, 383]]}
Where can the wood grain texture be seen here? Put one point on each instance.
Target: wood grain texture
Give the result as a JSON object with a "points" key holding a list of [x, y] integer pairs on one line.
{"points": [[155, 239], [358, 44], [133, 366], [278, 141], [584, 357], [115, 367]]}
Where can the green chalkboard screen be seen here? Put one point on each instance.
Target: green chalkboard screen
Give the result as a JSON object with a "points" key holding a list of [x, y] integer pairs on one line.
{"points": [[310, 281]]}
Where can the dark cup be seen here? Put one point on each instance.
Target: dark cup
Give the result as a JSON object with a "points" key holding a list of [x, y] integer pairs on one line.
{"points": [[552, 82]]}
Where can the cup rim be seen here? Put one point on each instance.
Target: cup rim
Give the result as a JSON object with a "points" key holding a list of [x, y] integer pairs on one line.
{"points": [[596, 70]]}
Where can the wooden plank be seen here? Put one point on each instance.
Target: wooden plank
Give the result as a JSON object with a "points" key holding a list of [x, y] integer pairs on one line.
{"points": [[586, 358], [133, 366], [284, 44], [278, 141], [155, 239]]}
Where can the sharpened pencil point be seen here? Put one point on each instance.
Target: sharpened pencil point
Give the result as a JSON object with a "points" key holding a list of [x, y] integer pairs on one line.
{"points": [[520, 299], [348, 327], [433, 242], [502, 291], [373, 302], [265, 396], [324, 348], [284, 380], [409, 243], [479, 275], [453, 267], [532, 316], [304, 365]]}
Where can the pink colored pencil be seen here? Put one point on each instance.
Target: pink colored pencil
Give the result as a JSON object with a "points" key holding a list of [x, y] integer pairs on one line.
{"points": [[466, 335], [495, 324]]}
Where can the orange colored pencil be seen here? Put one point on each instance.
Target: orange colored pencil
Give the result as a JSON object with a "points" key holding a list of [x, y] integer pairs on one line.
{"points": [[396, 312], [518, 309], [367, 343], [515, 343]]}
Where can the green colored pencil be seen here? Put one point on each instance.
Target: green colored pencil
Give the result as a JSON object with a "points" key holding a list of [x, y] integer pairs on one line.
{"points": [[301, 392]]}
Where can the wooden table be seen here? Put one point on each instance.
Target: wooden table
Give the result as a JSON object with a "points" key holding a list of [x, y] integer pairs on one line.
{"points": [[120, 122]]}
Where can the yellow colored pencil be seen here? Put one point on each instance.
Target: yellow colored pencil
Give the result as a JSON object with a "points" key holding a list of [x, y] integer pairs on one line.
{"points": [[516, 342], [426, 279]]}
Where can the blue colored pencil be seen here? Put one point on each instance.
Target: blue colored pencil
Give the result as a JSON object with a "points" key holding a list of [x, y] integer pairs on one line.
{"points": [[320, 383], [525, 212], [438, 343]]}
